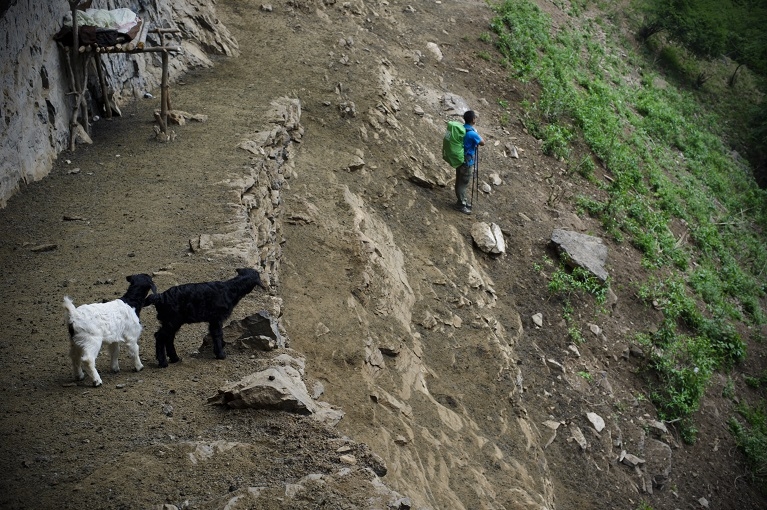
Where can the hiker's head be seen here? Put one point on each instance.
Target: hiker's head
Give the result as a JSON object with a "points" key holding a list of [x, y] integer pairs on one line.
{"points": [[469, 117]]}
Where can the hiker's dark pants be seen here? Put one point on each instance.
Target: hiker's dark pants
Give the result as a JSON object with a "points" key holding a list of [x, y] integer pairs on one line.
{"points": [[462, 181]]}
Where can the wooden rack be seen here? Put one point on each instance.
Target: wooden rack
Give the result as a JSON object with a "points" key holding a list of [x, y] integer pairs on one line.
{"points": [[79, 58]]}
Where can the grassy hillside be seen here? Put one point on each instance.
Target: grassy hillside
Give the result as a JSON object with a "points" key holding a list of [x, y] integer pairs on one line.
{"points": [[658, 170]]}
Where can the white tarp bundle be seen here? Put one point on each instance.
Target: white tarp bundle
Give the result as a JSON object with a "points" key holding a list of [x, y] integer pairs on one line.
{"points": [[121, 20]]}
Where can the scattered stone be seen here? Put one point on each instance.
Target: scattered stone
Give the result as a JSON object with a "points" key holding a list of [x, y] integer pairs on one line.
{"points": [[320, 330], [595, 329], [485, 187], [553, 425], [429, 321], [356, 164], [577, 435], [348, 459], [574, 349], [511, 151], [167, 409], [657, 426], [596, 421], [555, 364], [67, 217], [454, 104], [658, 463], [82, 136], [495, 179], [703, 502], [538, 319], [434, 48], [317, 390], [550, 440], [401, 440], [348, 109], [252, 146], [266, 7], [418, 111], [630, 460], [40, 248], [585, 251], [488, 238], [391, 350], [201, 243]]}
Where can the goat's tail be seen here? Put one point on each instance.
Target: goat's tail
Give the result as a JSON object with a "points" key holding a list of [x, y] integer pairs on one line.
{"points": [[70, 306]]}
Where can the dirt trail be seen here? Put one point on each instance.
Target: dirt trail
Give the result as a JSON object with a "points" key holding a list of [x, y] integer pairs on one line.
{"points": [[453, 404]]}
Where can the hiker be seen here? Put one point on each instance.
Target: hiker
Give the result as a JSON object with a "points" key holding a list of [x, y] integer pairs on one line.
{"points": [[464, 172]]}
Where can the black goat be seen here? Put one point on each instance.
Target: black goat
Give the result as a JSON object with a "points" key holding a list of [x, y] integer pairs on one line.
{"points": [[210, 302]]}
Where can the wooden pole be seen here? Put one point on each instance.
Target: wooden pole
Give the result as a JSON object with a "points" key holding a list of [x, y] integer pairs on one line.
{"points": [[104, 89], [164, 95], [74, 66]]}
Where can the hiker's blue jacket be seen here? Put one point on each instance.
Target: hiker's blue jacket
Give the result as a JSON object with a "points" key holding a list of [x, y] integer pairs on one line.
{"points": [[470, 143]]}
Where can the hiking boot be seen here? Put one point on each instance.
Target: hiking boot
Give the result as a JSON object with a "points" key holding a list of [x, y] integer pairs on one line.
{"points": [[465, 209]]}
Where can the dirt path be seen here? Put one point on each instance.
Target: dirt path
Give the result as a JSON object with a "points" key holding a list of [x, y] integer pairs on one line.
{"points": [[453, 406]]}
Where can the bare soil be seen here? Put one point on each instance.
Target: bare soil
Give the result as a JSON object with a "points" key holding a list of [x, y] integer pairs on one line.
{"points": [[135, 204]]}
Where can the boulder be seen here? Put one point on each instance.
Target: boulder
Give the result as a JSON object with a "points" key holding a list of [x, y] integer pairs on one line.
{"points": [[582, 250], [258, 331], [657, 455], [278, 387], [488, 238]]}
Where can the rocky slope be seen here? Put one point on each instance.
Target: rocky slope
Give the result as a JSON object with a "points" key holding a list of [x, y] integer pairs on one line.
{"points": [[319, 163]]}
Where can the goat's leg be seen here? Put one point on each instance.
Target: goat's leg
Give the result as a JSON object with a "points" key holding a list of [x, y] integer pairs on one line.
{"points": [[217, 334], [90, 367], [114, 352], [170, 346], [133, 352], [75, 354], [164, 343]]}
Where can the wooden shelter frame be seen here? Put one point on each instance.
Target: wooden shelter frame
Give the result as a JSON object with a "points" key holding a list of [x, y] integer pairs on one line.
{"points": [[79, 58]]}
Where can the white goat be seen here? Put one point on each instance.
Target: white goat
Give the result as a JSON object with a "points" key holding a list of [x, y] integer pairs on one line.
{"points": [[112, 322]]}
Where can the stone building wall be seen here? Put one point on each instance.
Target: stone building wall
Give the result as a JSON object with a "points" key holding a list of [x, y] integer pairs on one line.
{"points": [[35, 107]]}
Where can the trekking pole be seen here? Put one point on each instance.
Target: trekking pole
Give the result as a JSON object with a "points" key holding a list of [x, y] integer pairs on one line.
{"points": [[476, 175], [471, 190]]}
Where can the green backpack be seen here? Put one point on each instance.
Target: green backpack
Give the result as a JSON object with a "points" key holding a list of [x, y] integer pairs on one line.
{"points": [[452, 143]]}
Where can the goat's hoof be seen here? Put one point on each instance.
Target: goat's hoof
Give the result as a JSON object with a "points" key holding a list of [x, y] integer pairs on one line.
{"points": [[116, 370], [175, 360], [162, 364], [80, 377], [139, 369], [96, 384], [221, 355]]}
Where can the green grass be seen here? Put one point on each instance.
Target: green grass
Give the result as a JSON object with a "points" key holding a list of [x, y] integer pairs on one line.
{"points": [[751, 437], [675, 192]]}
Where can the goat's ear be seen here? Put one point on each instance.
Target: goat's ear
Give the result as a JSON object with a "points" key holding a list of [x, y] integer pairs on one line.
{"points": [[129, 278], [154, 289]]}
